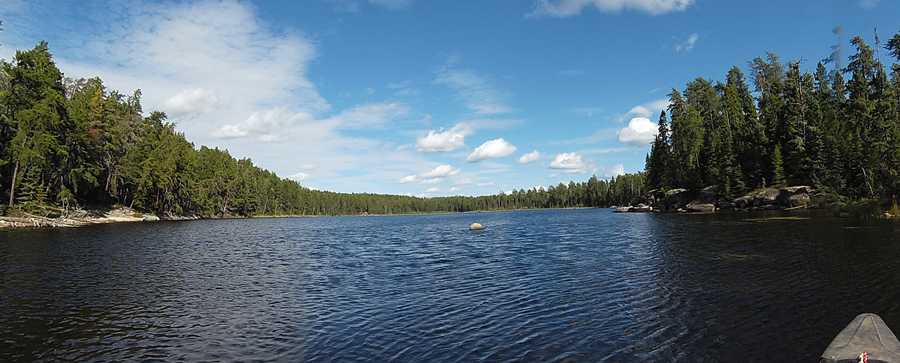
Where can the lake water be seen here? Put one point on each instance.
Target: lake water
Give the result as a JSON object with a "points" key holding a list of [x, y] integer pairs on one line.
{"points": [[537, 286]]}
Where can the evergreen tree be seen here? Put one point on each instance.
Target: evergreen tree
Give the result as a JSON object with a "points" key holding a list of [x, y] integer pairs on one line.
{"points": [[659, 159], [35, 105]]}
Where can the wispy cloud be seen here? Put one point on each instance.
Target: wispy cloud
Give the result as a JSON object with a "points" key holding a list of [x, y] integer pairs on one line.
{"points": [[392, 4], [572, 72], [588, 111], [369, 116], [208, 64], [564, 8], [687, 45], [478, 92], [868, 4]]}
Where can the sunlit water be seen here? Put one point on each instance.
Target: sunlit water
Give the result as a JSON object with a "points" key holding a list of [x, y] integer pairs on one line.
{"points": [[542, 286]]}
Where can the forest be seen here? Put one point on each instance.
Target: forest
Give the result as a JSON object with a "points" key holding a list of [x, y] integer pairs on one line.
{"points": [[72, 143], [839, 135]]}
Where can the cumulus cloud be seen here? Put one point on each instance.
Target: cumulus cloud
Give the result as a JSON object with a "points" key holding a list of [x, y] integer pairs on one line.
{"points": [[444, 141], [432, 190], [194, 101], [453, 190], [529, 157], [464, 181], [299, 176], [441, 171], [407, 179], [266, 124], [688, 44], [478, 92], [640, 131], [564, 8], [491, 149], [484, 184], [569, 163], [647, 110]]}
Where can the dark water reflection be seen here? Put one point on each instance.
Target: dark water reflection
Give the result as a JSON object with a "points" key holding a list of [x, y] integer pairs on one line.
{"points": [[572, 286]]}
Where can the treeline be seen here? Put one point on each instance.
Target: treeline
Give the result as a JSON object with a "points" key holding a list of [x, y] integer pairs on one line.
{"points": [[799, 128], [66, 143]]}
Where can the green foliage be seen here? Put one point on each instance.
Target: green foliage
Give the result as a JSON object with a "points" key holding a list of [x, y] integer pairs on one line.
{"points": [[800, 128], [71, 142]]}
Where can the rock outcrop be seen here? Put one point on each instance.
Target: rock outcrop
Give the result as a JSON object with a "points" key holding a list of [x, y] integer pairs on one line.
{"points": [[706, 200]]}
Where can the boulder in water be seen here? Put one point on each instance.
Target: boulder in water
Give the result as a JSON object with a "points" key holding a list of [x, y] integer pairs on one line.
{"points": [[476, 227]]}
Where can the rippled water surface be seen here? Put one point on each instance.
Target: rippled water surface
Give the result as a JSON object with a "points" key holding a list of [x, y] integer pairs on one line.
{"points": [[543, 286]]}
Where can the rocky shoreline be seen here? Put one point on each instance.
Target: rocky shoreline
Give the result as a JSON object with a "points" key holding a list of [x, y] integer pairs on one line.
{"points": [[707, 200], [85, 217]]}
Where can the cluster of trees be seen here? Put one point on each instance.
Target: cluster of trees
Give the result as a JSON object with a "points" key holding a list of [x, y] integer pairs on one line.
{"points": [[68, 143], [799, 128]]}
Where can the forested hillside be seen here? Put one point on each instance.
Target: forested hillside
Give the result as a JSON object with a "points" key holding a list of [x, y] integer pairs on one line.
{"points": [[821, 129], [68, 143]]}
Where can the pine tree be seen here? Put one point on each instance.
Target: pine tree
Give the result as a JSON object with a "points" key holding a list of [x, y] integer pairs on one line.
{"points": [[35, 101], [659, 158]]}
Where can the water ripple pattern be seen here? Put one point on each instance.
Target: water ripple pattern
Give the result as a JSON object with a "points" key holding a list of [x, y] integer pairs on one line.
{"points": [[534, 286]]}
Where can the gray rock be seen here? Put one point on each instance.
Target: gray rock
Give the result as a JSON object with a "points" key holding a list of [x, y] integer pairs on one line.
{"points": [[701, 207]]}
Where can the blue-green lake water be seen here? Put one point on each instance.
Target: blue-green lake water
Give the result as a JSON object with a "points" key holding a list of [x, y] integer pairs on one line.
{"points": [[534, 286]]}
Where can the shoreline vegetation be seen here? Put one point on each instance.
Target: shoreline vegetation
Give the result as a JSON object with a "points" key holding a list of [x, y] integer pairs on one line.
{"points": [[67, 143]]}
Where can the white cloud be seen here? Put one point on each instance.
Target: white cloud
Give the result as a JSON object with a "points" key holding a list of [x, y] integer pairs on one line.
{"points": [[587, 111], [529, 157], [444, 141], [213, 66], [370, 116], [868, 4], [453, 190], [616, 170], [299, 176], [194, 101], [392, 4], [484, 184], [407, 179], [477, 92], [464, 181], [491, 149], [687, 45], [441, 171], [564, 8], [431, 181], [267, 124], [647, 110], [569, 163], [309, 167], [640, 132], [432, 190]]}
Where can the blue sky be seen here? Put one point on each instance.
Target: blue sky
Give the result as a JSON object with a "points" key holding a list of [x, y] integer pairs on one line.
{"points": [[427, 98]]}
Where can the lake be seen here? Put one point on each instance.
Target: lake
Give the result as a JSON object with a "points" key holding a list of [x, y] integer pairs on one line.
{"points": [[582, 285]]}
